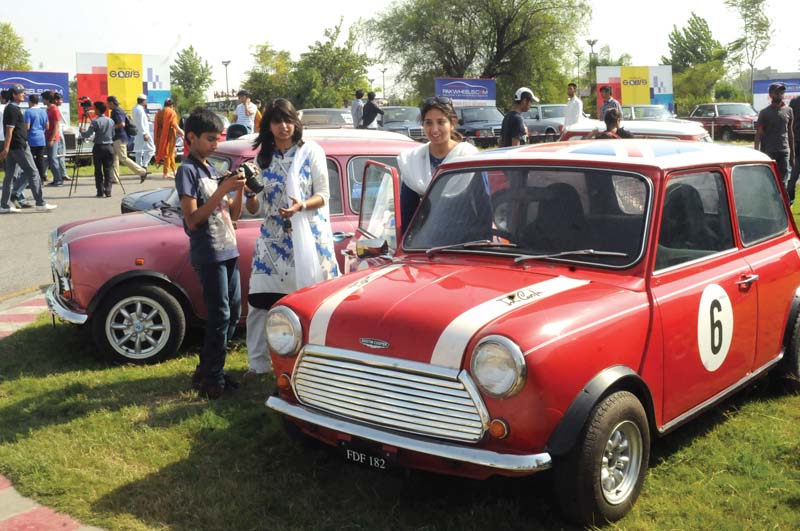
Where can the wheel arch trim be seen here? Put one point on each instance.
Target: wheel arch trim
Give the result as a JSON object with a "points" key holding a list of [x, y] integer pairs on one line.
{"points": [[616, 378], [144, 274]]}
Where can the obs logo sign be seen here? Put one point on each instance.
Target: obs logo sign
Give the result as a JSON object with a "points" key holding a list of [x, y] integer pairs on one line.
{"points": [[125, 74], [634, 82]]}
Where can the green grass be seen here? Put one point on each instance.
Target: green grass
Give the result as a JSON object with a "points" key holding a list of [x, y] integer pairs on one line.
{"points": [[134, 448]]}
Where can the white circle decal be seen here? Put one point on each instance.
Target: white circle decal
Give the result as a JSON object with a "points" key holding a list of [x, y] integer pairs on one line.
{"points": [[714, 326]]}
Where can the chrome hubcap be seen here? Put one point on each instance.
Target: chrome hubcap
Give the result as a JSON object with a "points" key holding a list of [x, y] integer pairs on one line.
{"points": [[137, 327], [622, 459]]}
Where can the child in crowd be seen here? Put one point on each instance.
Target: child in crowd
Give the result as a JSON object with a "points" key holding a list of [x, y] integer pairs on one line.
{"points": [[208, 216]]}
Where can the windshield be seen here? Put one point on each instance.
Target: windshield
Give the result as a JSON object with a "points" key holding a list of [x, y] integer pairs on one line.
{"points": [[553, 111], [401, 114], [481, 114], [736, 108], [600, 215], [652, 113]]}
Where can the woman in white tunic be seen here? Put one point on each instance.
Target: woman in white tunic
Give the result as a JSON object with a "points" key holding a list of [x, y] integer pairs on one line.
{"points": [[439, 122], [295, 247]]}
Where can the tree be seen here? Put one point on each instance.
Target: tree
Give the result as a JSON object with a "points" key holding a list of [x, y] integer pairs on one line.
{"points": [[271, 76], [13, 54], [328, 74], [756, 32], [694, 45], [515, 41], [191, 77]]}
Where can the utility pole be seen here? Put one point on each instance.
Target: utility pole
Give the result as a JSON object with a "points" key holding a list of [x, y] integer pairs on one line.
{"points": [[227, 91], [383, 81]]}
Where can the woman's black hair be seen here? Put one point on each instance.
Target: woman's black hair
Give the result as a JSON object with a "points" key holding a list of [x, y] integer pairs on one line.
{"points": [[447, 110], [278, 110]]}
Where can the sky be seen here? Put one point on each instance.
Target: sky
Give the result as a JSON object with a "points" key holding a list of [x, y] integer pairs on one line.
{"points": [[637, 27]]}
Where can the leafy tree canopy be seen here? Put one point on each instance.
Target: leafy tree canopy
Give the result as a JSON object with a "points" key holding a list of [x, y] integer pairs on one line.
{"points": [[191, 77], [13, 54], [693, 45]]}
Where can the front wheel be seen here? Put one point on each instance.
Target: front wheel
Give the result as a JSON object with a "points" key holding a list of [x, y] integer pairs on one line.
{"points": [[139, 323], [726, 135], [550, 136], [790, 364], [600, 478]]}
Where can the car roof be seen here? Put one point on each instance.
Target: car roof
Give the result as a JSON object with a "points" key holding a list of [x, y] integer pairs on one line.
{"points": [[662, 154], [653, 127]]}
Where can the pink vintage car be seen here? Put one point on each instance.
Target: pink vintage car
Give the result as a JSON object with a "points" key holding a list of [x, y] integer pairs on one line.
{"points": [[551, 306], [128, 277]]}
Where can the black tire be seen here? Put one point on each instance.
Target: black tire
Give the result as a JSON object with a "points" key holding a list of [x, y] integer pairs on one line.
{"points": [[138, 323], [790, 364], [599, 480], [726, 135]]}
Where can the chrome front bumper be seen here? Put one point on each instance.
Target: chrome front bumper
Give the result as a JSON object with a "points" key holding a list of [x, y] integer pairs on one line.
{"points": [[475, 456], [61, 311]]}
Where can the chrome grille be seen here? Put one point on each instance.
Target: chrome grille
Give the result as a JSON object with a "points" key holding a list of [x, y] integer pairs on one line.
{"points": [[497, 131], [405, 396], [416, 132]]}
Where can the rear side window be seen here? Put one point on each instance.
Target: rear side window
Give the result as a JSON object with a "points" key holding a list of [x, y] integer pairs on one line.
{"points": [[335, 188], [759, 203]]}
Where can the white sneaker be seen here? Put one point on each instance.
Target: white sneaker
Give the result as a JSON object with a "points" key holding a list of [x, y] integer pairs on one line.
{"points": [[9, 210], [47, 207]]}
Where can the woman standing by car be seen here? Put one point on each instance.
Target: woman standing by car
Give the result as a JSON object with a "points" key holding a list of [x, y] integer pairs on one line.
{"points": [[295, 247], [439, 121]]}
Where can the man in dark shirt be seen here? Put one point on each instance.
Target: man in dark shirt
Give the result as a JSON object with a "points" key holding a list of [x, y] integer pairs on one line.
{"points": [[121, 142], [775, 132], [608, 102], [16, 152], [513, 131], [794, 104], [371, 112]]}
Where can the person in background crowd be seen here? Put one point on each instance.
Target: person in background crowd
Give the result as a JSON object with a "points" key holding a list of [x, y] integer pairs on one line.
{"points": [[513, 131], [257, 119], [574, 111], [371, 112], [245, 111], [794, 104], [608, 102], [143, 143], [166, 131], [17, 153], [37, 124], [357, 108], [295, 247], [62, 144], [613, 118], [208, 215], [102, 127], [52, 138], [121, 142], [775, 132], [439, 122]]}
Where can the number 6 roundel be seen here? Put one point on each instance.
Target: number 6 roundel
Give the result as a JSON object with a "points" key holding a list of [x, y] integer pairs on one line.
{"points": [[714, 326]]}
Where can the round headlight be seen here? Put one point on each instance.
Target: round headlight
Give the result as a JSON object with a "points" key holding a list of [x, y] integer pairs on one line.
{"points": [[498, 366], [284, 333]]}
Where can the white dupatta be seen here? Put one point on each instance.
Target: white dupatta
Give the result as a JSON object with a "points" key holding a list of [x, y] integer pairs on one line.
{"points": [[307, 266]]}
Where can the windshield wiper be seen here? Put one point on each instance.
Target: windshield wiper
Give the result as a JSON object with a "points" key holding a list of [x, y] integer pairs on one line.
{"points": [[579, 252], [468, 245]]}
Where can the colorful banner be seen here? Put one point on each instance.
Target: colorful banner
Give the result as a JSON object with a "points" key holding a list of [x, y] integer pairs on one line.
{"points": [[761, 91], [638, 85], [465, 92], [635, 84], [125, 79], [125, 76]]}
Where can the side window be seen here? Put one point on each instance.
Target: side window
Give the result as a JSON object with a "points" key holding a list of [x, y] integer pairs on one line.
{"points": [[335, 187], [695, 220], [355, 173], [759, 203]]}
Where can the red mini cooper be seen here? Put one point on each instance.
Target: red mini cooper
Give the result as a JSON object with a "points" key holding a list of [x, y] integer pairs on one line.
{"points": [[549, 306]]}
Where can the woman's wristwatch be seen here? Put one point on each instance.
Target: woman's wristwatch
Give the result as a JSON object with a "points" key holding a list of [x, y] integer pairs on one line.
{"points": [[250, 195]]}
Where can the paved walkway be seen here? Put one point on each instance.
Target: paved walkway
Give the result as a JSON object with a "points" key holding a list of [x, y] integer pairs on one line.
{"points": [[16, 512]]}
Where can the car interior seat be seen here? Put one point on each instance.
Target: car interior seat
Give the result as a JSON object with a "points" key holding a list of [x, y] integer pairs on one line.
{"points": [[560, 224], [683, 223]]}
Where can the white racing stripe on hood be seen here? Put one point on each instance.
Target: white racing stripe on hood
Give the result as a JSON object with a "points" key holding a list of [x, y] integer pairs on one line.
{"points": [[450, 347], [319, 323]]}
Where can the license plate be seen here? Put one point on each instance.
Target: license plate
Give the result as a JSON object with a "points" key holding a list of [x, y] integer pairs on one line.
{"points": [[364, 455]]}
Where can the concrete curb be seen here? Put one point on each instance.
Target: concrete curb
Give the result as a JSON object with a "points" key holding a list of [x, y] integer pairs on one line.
{"points": [[18, 513]]}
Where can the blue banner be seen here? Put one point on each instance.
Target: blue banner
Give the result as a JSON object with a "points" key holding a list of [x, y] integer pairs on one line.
{"points": [[465, 91], [37, 82]]}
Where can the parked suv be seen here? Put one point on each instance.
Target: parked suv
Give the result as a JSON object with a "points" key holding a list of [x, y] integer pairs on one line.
{"points": [[480, 125], [726, 121], [403, 120]]}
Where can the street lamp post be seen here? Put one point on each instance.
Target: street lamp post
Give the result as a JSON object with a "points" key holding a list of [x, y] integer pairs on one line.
{"points": [[592, 64], [383, 81], [225, 64]]}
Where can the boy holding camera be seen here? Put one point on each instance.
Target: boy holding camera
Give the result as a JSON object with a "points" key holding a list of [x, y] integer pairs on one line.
{"points": [[208, 216], [102, 127]]}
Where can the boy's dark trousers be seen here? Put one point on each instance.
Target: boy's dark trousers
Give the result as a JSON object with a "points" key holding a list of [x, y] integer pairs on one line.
{"points": [[103, 158], [222, 294]]}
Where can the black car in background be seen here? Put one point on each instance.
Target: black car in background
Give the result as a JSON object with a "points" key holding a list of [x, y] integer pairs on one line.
{"points": [[403, 120], [480, 125]]}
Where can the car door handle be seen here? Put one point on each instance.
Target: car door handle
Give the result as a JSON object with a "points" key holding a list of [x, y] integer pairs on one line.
{"points": [[747, 280], [340, 235]]}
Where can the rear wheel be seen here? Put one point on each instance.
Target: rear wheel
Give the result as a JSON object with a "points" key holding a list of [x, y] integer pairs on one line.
{"points": [[726, 135], [790, 365], [600, 478], [139, 323]]}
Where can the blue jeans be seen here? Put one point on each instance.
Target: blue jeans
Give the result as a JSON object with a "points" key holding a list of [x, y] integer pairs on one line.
{"points": [[23, 159], [56, 161], [222, 294]]}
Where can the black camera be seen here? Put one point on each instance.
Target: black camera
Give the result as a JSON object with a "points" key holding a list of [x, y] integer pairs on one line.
{"points": [[85, 102], [254, 181]]}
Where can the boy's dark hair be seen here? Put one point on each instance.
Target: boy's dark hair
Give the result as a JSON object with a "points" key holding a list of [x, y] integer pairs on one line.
{"points": [[100, 107], [605, 88], [573, 85], [33, 99], [359, 94], [5, 94], [370, 95], [57, 96], [202, 120], [611, 117], [278, 110], [47, 96]]}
